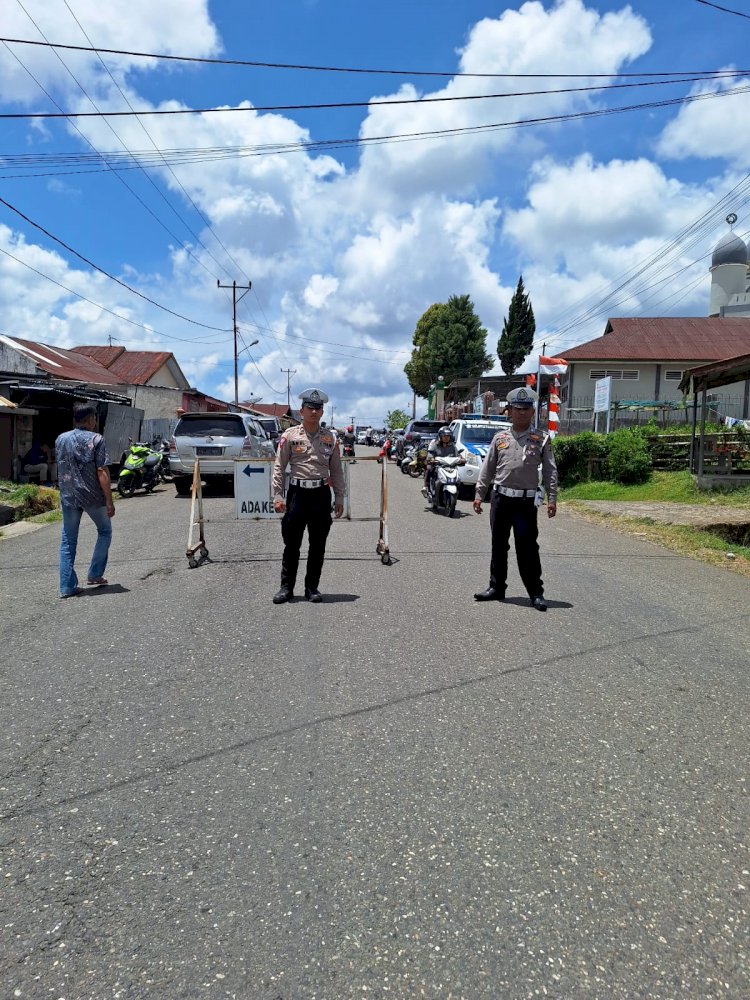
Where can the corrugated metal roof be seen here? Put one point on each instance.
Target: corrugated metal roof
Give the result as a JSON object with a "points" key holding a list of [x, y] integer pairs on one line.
{"points": [[130, 367], [268, 409], [713, 376], [60, 363], [700, 338], [104, 355]]}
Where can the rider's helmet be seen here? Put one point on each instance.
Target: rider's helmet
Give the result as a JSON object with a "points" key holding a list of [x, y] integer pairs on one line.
{"points": [[445, 434], [350, 429]]}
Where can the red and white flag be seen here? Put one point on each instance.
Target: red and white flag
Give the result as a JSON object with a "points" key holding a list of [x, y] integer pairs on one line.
{"points": [[552, 366]]}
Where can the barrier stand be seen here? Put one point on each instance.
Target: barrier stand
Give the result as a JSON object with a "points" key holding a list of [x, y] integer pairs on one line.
{"points": [[197, 552], [382, 548], [200, 545]]}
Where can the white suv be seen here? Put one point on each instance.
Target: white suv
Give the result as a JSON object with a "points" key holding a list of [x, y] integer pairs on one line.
{"points": [[216, 439], [472, 435]]}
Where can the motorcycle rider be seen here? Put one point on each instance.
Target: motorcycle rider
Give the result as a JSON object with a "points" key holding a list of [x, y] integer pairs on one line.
{"points": [[349, 439], [443, 446]]}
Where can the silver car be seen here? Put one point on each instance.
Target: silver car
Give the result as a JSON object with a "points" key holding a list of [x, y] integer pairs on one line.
{"points": [[215, 439]]}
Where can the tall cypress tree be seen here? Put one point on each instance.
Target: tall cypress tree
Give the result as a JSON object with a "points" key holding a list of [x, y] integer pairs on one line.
{"points": [[519, 328]]}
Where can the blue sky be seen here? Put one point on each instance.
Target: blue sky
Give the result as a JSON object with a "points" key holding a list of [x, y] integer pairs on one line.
{"points": [[608, 215]]}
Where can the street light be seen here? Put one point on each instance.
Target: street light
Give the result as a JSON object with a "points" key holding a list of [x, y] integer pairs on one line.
{"points": [[248, 346]]}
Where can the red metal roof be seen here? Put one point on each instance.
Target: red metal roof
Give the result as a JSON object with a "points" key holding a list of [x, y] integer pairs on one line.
{"points": [[104, 355], [63, 364], [130, 367], [269, 409], [699, 338]]}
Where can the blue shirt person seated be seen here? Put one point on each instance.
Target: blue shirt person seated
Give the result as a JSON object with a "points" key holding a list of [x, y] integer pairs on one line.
{"points": [[40, 459]]}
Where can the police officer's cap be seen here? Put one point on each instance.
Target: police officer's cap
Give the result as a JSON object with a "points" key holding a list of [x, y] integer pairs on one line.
{"points": [[313, 397], [522, 396]]}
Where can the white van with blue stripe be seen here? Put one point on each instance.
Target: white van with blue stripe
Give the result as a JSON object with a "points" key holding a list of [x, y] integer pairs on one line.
{"points": [[473, 434]]}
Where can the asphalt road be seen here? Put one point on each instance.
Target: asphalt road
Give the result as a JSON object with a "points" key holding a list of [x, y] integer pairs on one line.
{"points": [[397, 793]]}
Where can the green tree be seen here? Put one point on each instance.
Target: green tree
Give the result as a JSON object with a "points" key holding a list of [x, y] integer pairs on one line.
{"points": [[519, 328], [449, 340], [396, 418]]}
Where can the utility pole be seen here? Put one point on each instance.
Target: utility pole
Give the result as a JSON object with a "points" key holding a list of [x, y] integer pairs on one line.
{"points": [[234, 286], [288, 372]]}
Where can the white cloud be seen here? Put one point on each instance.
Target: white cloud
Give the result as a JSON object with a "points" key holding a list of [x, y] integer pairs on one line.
{"points": [[319, 289], [169, 27], [527, 41], [709, 128], [346, 259]]}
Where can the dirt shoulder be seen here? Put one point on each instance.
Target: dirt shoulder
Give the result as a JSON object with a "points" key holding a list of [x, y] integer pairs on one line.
{"points": [[713, 534], [694, 515]]}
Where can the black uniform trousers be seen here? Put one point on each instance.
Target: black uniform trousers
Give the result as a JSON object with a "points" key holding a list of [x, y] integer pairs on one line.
{"points": [[309, 509], [518, 514]]}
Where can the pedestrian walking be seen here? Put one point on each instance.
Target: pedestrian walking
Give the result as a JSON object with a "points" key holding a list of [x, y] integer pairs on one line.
{"points": [[83, 478], [312, 454], [511, 469]]}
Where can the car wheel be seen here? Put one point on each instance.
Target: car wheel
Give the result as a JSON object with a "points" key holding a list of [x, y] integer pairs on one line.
{"points": [[182, 486]]}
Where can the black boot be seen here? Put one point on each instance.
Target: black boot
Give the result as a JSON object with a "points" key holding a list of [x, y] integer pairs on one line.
{"points": [[490, 594], [538, 602], [313, 595], [283, 595]]}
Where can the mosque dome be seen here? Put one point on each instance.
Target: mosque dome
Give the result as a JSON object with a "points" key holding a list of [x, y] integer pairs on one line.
{"points": [[729, 250]]}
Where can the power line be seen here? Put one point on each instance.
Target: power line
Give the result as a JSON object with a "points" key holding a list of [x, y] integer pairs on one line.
{"points": [[327, 144], [98, 305], [151, 181], [725, 9], [106, 274], [337, 105], [167, 165], [206, 60]]}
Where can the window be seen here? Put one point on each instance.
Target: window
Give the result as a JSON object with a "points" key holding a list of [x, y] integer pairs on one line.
{"points": [[621, 374], [672, 376]]}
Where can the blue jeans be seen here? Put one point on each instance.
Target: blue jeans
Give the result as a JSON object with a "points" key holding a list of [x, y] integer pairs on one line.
{"points": [[69, 543]]}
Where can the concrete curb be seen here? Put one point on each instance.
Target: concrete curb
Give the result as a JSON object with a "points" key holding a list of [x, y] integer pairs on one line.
{"points": [[20, 528]]}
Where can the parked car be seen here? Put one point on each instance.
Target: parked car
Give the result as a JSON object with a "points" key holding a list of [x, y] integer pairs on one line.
{"points": [[473, 436], [422, 428], [216, 439], [272, 427]]}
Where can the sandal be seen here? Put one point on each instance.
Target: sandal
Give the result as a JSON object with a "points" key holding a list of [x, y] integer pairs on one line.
{"points": [[98, 581]]}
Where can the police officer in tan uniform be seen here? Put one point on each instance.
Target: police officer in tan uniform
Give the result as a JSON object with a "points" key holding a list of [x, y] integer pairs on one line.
{"points": [[511, 469], [312, 453]]}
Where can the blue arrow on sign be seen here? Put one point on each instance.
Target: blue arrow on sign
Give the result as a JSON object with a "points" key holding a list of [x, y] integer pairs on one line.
{"points": [[248, 470]]}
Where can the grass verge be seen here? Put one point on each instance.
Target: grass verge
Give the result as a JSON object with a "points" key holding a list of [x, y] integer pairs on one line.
{"points": [[668, 487], [663, 487], [28, 500]]}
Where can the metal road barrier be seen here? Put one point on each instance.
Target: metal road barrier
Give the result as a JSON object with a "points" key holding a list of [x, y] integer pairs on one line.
{"points": [[253, 501]]}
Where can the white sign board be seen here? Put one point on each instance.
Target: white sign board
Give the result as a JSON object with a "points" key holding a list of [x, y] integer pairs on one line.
{"points": [[479, 404], [602, 394], [253, 489]]}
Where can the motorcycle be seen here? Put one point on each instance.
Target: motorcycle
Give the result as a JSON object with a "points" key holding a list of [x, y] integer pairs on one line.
{"points": [[348, 451], [165, 470], [141, 468], [443, 485], [418, 462], [408, 455]]}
